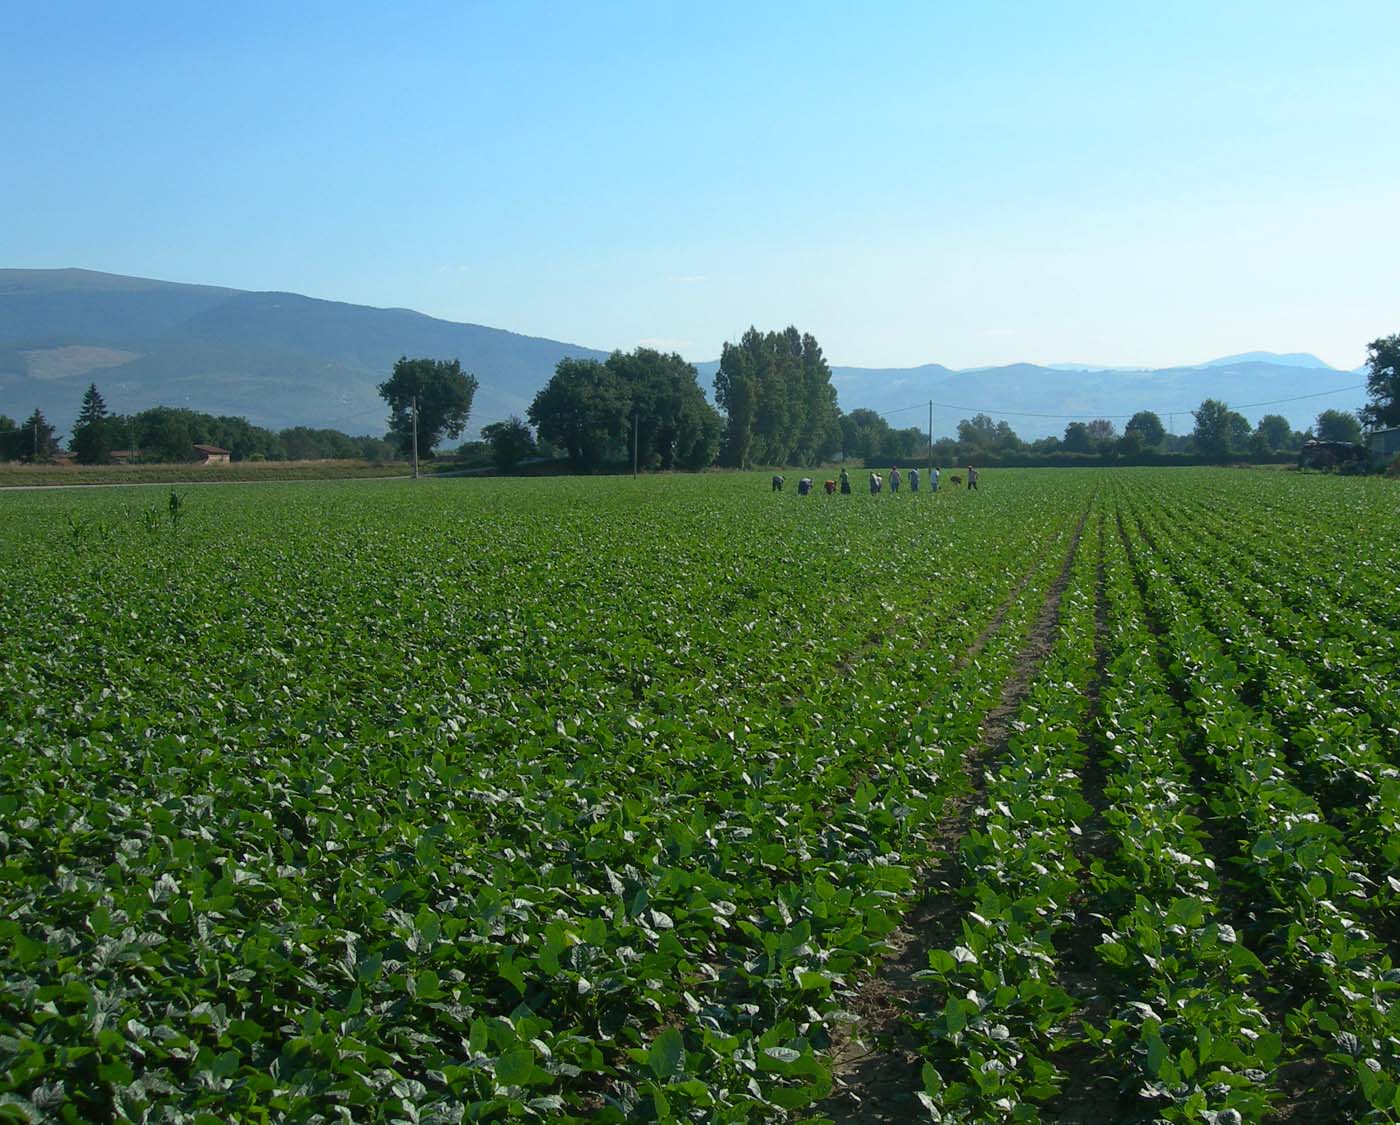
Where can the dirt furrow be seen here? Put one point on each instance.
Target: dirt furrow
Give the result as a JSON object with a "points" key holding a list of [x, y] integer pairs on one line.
{"points": [[876, 1065]]}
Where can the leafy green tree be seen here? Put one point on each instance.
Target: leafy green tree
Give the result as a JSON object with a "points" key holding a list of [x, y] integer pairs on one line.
{"points": [[981, 435], [698, 436], [1275, 432], [1077, 439], [593, 411], [302, 443], [1219, 430], [906, 446], [37, 441], [1102, 432], [584, 409], [863, 433], [1148, 426], [10, 434], [444, 394], [90, 439], [1338, 425], [1240, 432], [1382, 409], [165, 433], [676, 425], [511, 442], [239, 436], [370, 448]]}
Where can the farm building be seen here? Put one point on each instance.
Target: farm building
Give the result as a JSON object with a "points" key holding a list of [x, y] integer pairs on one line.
{"points": [[1332, 455], [210, 455], [1384, 445]]}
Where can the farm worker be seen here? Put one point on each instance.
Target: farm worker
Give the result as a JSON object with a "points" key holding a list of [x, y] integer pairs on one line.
{"points": [[914, 479], [804, 486], [894, 478], [933, 479], [845, 483], [830, 487], [777, 483], [971, 478]]}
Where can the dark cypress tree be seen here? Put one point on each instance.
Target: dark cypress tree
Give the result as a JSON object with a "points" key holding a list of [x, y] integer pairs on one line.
{"points": [[90, 440]]}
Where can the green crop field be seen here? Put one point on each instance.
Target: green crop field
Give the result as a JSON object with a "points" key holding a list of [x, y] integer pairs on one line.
{"points": [[1072, 799]]}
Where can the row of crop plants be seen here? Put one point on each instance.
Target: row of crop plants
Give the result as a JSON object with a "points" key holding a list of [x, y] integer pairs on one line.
{"points": [[1321, 577], [1340, 749], [829, 818], [997, 1008], [1194, 1029], [1339, 536], [1183, 1034], [406, 851], [1327, 594], [1188, 1033], [1317, 925]]}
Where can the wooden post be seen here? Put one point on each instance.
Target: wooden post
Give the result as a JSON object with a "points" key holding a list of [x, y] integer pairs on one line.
{"points": [[930, 440]]}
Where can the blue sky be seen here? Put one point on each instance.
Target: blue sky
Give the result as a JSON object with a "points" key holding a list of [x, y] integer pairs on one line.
{"points": [[934, 182]]}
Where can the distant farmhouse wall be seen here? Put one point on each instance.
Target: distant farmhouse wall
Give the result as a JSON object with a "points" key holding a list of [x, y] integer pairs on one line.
{"points": [[210, 455]]}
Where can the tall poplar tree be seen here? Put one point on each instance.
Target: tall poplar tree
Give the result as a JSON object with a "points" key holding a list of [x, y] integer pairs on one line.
{"points": [[776, 389]]}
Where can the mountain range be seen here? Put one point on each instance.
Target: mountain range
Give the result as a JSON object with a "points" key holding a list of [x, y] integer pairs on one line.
{"points": [[283, 359]]}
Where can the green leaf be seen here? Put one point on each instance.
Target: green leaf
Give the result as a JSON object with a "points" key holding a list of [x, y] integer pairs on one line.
{"points": [[667, 1054], [1157, 1055], [508, 970], [515, 1067]]}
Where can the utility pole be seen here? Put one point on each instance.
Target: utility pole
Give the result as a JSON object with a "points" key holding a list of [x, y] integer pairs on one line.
{"points": [[415, 437], [36, 435], [930, 437], [634, 441]]}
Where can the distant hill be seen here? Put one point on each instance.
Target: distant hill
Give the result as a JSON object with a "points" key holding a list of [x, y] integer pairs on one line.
{"points": [[281, 359], [1288, 359], [1037, 401]]}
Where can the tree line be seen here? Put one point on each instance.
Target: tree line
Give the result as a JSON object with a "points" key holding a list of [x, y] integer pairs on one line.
{"points": [[779, 408], [778, 404], [1218, 433], [165, 434]]}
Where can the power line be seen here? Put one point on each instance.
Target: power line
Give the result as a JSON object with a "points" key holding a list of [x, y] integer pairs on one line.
{"points": [[1091, 417]]}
